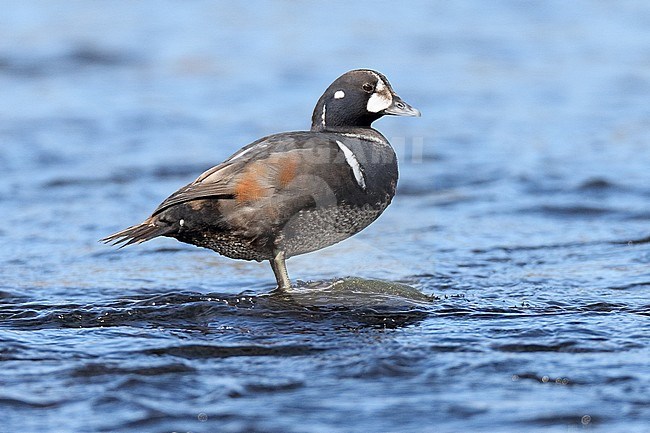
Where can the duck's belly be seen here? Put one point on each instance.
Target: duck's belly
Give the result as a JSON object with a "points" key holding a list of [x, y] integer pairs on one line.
{"points": [[306, 231], [311, 230]]}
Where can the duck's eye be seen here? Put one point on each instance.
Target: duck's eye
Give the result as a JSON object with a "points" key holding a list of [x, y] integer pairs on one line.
{"points": [[367, 87]]}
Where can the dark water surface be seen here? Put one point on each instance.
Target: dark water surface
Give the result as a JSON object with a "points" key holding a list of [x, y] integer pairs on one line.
{"points": [[523, 211]]}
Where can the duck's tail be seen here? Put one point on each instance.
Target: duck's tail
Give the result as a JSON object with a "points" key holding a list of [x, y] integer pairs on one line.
{"points": [[138, 233]]}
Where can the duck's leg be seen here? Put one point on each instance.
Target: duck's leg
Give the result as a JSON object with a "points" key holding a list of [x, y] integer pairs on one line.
{"points": [[280, 270]]}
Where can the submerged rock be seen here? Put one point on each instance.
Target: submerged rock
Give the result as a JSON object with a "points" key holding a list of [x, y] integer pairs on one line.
{"points": [[354, 293]]}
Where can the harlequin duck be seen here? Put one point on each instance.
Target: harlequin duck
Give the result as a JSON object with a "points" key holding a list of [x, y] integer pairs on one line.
{"points": [[294, 192]]}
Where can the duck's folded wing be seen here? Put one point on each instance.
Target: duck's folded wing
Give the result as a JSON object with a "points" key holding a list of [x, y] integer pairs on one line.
{"points": [[216, 188], [274, 168]]}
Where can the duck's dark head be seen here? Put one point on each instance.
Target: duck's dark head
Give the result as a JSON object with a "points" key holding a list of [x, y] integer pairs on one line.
{"points": [[355, 100]]}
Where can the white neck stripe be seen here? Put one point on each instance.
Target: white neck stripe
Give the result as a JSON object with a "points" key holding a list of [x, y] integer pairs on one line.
{"points": [[363, 137], [322, 116]]}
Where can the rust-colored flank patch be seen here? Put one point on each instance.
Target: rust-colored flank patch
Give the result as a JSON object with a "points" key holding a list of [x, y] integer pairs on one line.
{"points": [[249, 186], [287, 170]]}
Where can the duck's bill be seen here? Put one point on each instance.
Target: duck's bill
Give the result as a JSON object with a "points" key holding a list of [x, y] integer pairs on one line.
{"points": [[401, 108]]}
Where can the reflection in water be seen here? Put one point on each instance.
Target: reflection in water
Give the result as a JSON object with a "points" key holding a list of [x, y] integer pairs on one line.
{"points": [[350, 301]]}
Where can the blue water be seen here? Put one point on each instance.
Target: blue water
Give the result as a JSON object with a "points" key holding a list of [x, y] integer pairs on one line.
{"points": [[523, 211]]}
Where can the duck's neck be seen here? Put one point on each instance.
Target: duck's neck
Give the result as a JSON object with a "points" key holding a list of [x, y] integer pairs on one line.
{"points": [[326, 117]]}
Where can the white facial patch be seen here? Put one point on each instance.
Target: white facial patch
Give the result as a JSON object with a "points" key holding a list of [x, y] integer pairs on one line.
{"points": [[380, 99], [378, 102], [353, 162], [339, 94]]}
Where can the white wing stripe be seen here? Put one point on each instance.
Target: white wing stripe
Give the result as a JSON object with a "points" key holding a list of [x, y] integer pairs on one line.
{"points": [[240, 154]]}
